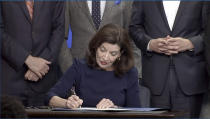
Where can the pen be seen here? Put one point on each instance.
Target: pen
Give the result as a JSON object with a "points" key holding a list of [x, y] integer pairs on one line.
{"points": [[74, 93]]}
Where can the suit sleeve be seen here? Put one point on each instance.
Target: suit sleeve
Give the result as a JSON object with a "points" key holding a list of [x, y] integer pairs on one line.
{"points": [[51, 51], [136, 27], [63, 86], [207, 41], [1, 23], [197, 41], [136, 51], [11, 50], [127, 14], [132, 93], [65, 57], [67, 19]]}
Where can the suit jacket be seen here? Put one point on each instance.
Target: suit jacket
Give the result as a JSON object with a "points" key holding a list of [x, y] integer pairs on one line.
{"points": [[1, 29], [83, 28], [207, 43], [148, 22], [40, 37]]}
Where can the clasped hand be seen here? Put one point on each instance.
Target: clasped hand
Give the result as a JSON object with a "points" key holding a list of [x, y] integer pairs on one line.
{"points": [[170, 45], [38, 67]]}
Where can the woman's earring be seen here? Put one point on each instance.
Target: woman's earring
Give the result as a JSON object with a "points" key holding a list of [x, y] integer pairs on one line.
{"points": [[118, 58]]}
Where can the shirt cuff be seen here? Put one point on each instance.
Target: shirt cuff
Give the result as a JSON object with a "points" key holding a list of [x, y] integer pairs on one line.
{"points": [[148, 48]]}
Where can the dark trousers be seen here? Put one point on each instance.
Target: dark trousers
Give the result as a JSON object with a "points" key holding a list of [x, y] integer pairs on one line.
{"points": [[31, 98], [174, 99]]}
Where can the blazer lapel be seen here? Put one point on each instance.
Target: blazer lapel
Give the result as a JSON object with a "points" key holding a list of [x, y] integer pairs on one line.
{"points": [[84, 7], [178, 15], [23, 6], [107, 11], [163, 15]]}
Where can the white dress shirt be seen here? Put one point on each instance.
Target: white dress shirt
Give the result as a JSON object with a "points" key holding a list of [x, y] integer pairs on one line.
{"points": [[171, 8], [102, 6]]}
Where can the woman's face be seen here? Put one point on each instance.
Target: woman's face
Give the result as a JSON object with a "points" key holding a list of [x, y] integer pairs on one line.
{"points": [[106, 55]]}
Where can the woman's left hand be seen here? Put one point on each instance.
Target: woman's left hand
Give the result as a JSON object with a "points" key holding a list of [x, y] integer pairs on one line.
{"points": [[105, 103]]}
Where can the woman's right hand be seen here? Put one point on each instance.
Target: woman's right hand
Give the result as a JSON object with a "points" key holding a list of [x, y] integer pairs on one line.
{"points": [[74, 102]]}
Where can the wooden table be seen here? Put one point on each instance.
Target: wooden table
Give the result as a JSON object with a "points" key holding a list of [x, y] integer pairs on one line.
{"points": [[48, 113]]}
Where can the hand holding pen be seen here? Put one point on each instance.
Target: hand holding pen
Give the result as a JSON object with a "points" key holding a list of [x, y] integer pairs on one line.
{"points": [[74, 101]]}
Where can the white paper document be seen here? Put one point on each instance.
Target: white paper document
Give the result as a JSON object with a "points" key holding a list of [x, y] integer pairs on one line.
{"points": [[107, 109]]}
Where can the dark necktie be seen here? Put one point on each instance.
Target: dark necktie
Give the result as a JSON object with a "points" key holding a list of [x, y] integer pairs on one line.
{"points": [[96, 13], [30, 6]]}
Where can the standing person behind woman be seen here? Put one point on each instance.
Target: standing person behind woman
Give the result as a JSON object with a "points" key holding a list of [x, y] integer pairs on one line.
{"points": [[107, 78], [84, 18]]}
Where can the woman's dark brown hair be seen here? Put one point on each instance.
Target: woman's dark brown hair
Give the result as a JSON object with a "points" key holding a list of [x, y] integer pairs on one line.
{"points": [[113, 34]]}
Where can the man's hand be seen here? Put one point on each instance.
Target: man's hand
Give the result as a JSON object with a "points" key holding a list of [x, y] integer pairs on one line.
{"points": [[31, 76], [170, 45], [38, 65], [178, 44], [157, 45]]}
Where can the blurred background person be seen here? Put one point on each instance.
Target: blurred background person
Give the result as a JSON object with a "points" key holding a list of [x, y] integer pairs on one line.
{"points": [[12, 108], [107, 77], [32, 35]]}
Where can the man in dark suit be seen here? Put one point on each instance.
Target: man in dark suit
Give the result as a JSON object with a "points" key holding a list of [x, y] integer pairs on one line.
{"points": [[1, 27], [206, 104], [169, 34], [32, 35]]}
